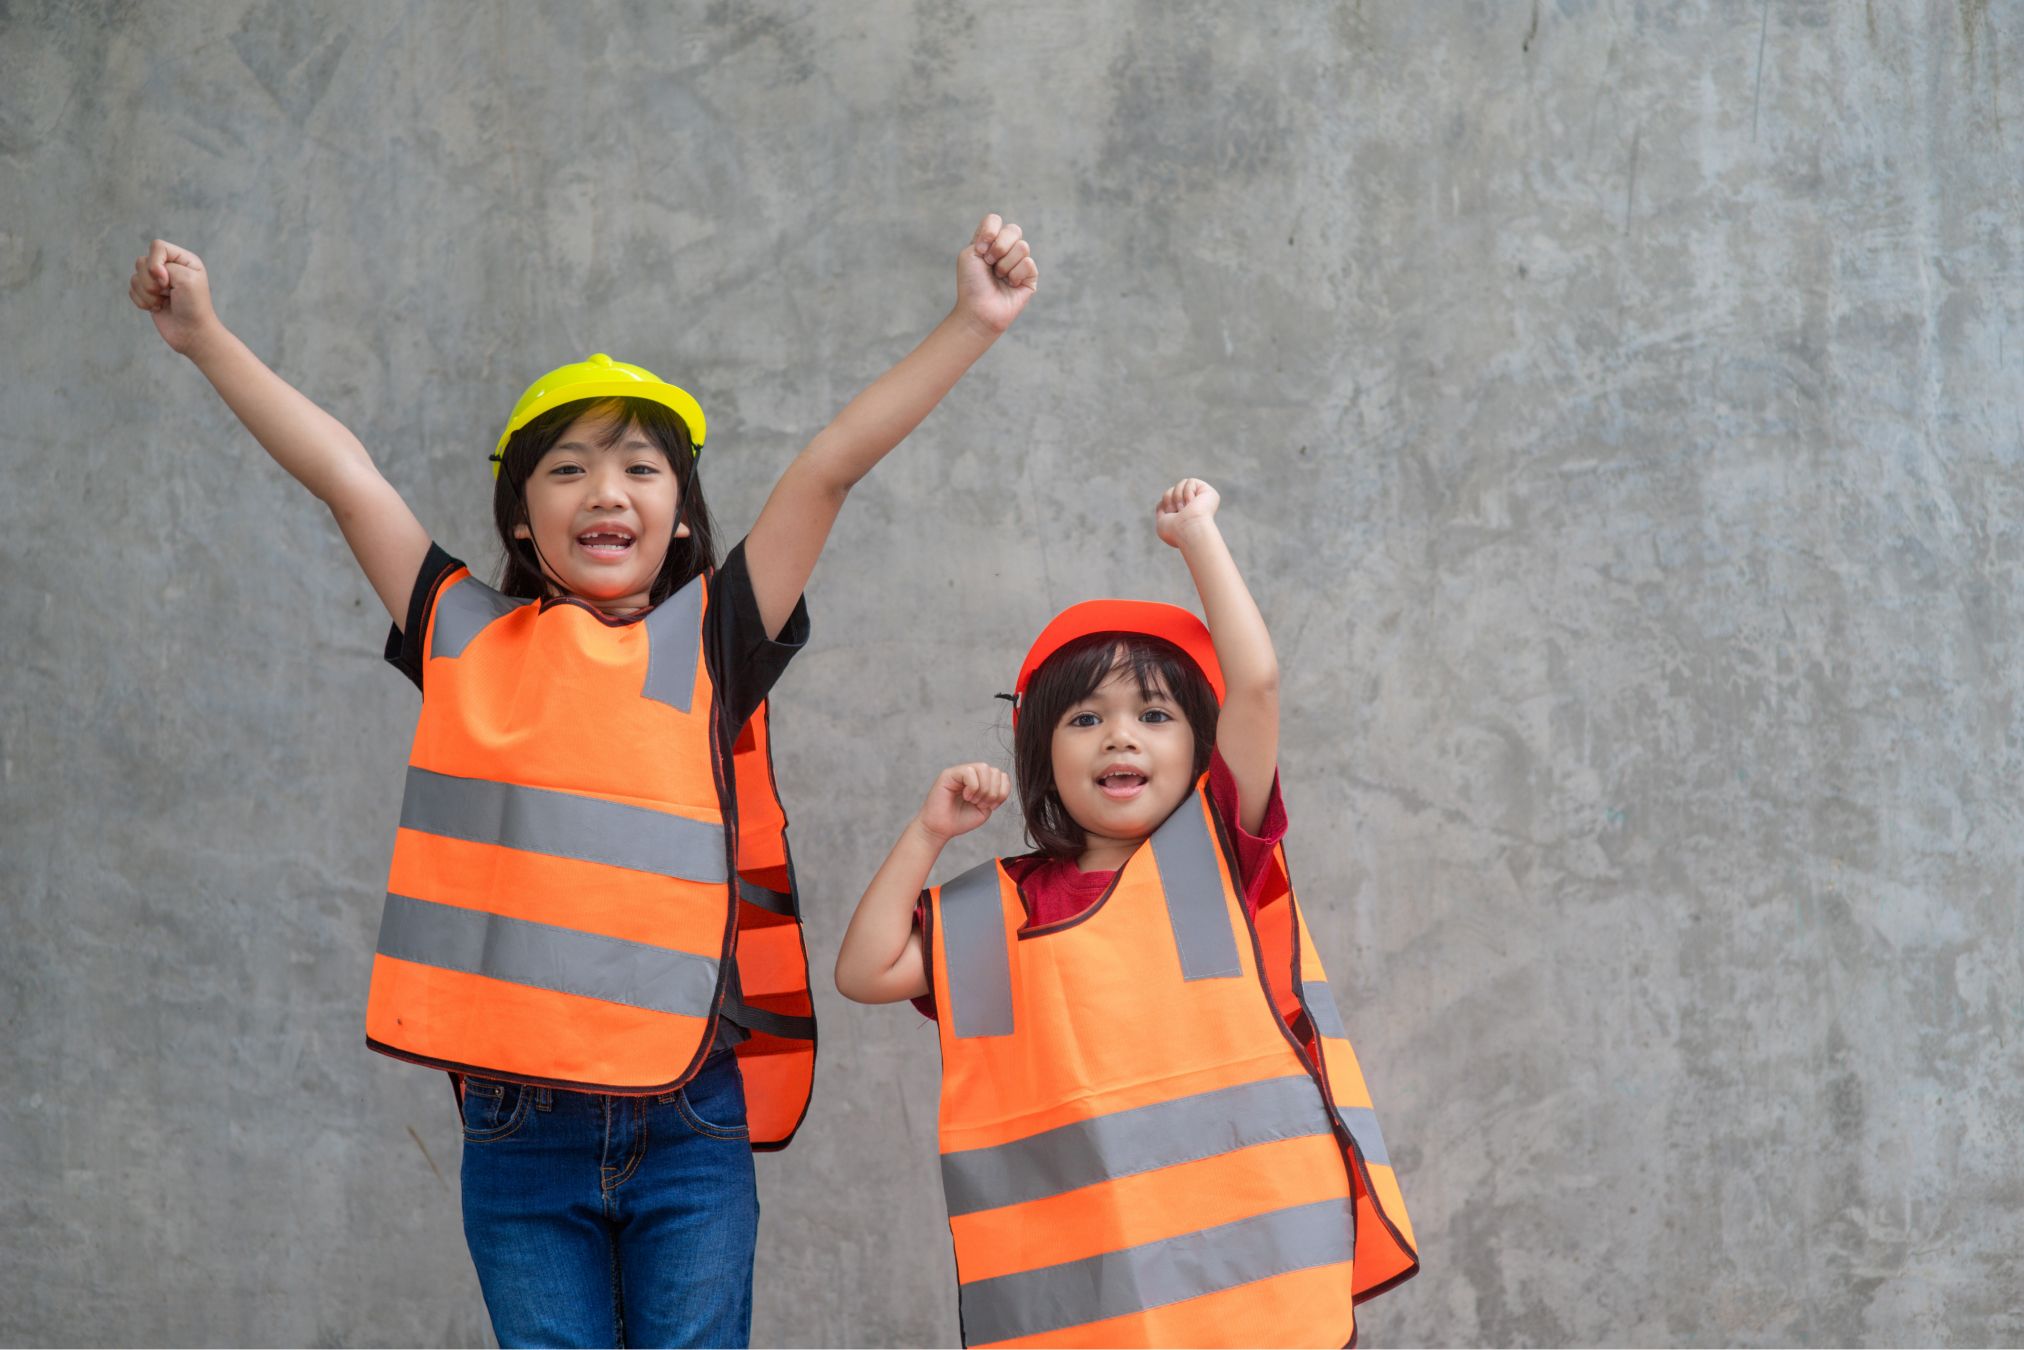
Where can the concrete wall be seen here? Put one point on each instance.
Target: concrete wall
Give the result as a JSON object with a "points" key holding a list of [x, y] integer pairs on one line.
{"points": [[1617, 409]]}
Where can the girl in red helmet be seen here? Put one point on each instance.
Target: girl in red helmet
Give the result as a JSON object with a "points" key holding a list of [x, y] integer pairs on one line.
{"points": [[1120, 706], [590, 853], [1153, 1129]]}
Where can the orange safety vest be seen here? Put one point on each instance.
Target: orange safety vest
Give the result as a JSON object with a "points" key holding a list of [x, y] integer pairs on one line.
{"points": [[1153, 1128], [560, 908], [770, 1000]]}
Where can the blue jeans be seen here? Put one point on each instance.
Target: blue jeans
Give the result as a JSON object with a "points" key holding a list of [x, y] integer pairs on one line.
{"points": [[598, 1220]]}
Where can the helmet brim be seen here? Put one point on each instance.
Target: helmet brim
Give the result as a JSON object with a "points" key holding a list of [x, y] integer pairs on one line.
{"points": [[1148, 617], [538, 400]]}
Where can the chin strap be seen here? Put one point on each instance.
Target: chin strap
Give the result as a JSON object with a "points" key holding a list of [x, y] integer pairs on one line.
{"points": [[540, 563]]}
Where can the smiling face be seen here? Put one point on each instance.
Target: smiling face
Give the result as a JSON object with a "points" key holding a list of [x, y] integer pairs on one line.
{"points": [[1123, 759], [1112, 731], [602, 508]]}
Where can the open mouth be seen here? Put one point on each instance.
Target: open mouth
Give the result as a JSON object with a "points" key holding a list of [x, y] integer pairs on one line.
{"points": [[606, 541], [1122, 784]]}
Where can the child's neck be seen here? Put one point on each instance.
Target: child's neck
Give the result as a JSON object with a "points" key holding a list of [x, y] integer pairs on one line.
{"points": [[622, 607], [1101, 854]]}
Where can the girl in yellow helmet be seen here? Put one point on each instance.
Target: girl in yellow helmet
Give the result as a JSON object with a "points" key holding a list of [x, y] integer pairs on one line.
{"points": [[567, 916]]}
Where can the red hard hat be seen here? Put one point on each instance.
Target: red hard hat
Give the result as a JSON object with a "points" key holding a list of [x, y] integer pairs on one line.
{"points": [[1148, 617]]}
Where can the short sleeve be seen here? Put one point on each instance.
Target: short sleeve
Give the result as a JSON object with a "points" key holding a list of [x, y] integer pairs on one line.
{"points": [[925, 1004], [404, 641], [1254, 851], [744, 661]]}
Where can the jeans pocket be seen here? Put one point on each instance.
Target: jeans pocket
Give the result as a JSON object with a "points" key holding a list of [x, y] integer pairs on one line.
{"points": [[493, 1110], [713, 1102]]}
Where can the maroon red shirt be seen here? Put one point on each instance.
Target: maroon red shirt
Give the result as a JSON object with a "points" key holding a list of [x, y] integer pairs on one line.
{"points": [[1055, 889]]}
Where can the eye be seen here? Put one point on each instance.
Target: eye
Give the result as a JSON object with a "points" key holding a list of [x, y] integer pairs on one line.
{"points": [[1156, 715], [643, 469], [565, 471], [1083, 719]]}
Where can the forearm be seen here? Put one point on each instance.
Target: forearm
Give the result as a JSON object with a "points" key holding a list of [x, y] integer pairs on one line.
{"points": [[1243, 643], [322, 455], [1247, 730], [888, 409], [788, 538], [878, 962], [315, 448]]}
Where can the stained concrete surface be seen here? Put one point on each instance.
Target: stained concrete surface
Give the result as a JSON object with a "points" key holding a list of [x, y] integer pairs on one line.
{"points": [[1617, 416]]}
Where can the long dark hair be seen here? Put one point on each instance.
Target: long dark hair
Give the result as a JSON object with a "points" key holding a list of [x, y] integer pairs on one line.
{"points": [[1072, 675], [688, 558]]}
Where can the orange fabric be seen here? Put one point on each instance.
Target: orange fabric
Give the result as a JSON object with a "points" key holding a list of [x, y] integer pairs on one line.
{"points": [[516, 706], [509, 1031], [1272, 920], [1386, 1251], [762, 821], [549, 697], [1143, 1208], [1278, 1311], [772, 957], [612, 901], [1104, 1021]]}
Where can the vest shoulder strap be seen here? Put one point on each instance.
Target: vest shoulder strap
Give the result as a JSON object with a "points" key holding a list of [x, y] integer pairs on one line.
{"points": [[464, 609], [674, 640], [978, 966], [1184, 850]]}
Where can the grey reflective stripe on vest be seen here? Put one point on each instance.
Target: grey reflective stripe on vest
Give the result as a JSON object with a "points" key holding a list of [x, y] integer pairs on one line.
{"points": [[973, 947], [563, 825], [777, 902], [542, 956], [1321, 1009], [1361, 1122], [674, 637], [1155, 1274], [465, 610], [1126, 1143], [1186, 856]]}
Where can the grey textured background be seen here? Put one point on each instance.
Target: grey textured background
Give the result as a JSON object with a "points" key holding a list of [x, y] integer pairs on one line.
{"points": [[1618, 418]]}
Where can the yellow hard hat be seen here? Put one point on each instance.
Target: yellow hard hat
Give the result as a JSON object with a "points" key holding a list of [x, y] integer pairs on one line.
{"points": [[599, 377]]}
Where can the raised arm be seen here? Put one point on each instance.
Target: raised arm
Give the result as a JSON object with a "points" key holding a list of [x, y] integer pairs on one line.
{"points": [[316, 449], [880, 960], [995, 276], [1247, 732]]}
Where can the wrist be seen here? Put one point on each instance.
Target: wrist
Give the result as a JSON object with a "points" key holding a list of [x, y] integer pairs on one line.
{"points": [[926, 835], [1195, 532], [206, 341], [972, 327]]}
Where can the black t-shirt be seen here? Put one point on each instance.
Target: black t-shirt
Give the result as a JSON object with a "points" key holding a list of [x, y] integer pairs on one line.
{"points": [[743, 662]]}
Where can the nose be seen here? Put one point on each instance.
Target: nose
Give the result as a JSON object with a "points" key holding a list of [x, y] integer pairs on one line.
{"points": [[1120, 733], [607, 487]]}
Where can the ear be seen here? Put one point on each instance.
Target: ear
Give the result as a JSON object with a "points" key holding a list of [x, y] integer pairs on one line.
{"points": [[681, 529], [521, 531]]}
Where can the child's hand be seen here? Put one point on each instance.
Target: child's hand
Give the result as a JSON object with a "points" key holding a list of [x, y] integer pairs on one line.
{"points": [[963, 798], [171, 284], [995, 274], [1181, 506]]}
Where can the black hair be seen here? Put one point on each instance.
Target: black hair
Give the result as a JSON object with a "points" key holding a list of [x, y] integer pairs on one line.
{"points": [[521, 574], [1072, 675]]}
